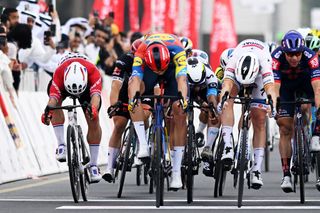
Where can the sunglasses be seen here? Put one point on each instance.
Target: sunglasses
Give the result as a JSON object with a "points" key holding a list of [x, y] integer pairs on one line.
{"points": [[297, 54]]}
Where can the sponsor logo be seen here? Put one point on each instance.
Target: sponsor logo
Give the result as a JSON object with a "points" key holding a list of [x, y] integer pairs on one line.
{"points": [[181, 60], [278, 54], [314, 62], [275, 64], [137, 61], [307, 54]]}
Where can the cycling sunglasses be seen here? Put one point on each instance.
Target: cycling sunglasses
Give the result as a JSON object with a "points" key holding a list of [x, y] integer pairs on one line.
{"points": [[297, 54]]}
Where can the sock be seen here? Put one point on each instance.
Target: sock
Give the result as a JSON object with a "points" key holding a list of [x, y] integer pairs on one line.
{"points": [[59, 132], [172, 155], [201, 127], [258, 158], [139, 127], [94, 152], [176, 161], [112, 155], [226, 134], [212, 135], [286, 166]]}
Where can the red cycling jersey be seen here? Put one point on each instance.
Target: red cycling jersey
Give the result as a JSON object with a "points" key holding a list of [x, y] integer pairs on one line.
{"points": [[94, 78]]}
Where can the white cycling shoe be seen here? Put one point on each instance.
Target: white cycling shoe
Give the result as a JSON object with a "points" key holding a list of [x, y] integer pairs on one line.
{"points": [[256, 181], [61, 153], [175, 182], [315, 144], [95, 175], [286, 184], [143, 151]]}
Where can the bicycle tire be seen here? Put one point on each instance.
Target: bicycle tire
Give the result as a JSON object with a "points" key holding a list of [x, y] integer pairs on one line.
{"points": [[84, 178], [145, 174], [73, 164], [301, 166], [242, 166], [125, 160], [218, 167], [317, 168], [138, 175], [159, 179], [266, 149], [190, 153]]}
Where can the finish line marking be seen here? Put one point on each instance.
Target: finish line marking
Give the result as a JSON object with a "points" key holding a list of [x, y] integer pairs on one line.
{"points": [[186, 207], [147, 200]]}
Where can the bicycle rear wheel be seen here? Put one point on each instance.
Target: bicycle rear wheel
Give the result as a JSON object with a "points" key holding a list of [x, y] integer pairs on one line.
{"points": [[126, 157], [138, 175], [301, 164], [242, 166], [158, 170], [317, 168], [190, 154], [266, 149], [73, 163]]}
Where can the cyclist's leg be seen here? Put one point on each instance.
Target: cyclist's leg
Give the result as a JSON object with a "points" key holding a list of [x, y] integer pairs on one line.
{"points": [[93, 137], [137, 116], [227, 122], [285, 123], [58, 127], [179, 130]]}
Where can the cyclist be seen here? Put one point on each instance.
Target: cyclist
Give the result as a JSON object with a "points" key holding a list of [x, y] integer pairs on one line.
{"points": [[295, 68], [313, 43], [203, 58], [203, 86], [250, 65], [161, 56], [119, 92], [76, 76]]}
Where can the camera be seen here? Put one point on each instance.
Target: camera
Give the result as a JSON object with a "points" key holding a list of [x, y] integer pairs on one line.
{"points": [[46, 37], [50, 9]]}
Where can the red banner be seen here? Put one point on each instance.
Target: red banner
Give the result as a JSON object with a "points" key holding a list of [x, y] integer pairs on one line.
{"points": [[134, 15], [146, 20], [191, 22], [223, 33], [171, 14]]}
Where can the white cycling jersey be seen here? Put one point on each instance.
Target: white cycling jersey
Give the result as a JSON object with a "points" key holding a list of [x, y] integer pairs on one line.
{"points": [[265, 75]]}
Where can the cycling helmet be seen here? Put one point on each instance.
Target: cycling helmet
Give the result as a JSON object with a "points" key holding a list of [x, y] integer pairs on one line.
{"points": [[224, 57], [70, 55], [135, 45], [272, 46], [247, 68], [292, 42], [75, 78], [313, 42], [157, 56], [187, 44], [196, 71]]}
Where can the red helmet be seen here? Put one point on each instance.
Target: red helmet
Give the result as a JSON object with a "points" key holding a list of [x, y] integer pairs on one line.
{"points": [[157, 57], [135, 45]]}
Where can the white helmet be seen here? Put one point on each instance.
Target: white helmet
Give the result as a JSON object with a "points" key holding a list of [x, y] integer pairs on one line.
{"points": [[187, 44], [247, 68], [75, 78], [196, 71], [68, 55], [224, 57]]}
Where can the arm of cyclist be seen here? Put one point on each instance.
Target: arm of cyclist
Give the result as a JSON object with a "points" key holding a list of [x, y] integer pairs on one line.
{"points": [[226, 89], [181, 75]]}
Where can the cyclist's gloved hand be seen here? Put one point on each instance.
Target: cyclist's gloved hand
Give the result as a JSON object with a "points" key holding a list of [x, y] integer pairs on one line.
{"points": [[92, 111], [183, 103], [114, 108], [46, 117], [223, 103], [132, 104]]}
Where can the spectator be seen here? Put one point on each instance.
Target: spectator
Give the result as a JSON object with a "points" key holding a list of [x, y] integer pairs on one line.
{"points": [[76, 43], [107, 57], [109, 23], [10, 17]]}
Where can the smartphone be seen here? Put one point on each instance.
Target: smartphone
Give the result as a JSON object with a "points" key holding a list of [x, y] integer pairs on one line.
{"points": [[46, 37], [50, 8], [53, 29]]}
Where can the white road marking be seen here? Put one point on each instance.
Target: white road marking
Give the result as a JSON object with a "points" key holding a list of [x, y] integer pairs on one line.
{"points": [[186, 207], [31, 185], [149, 200]]}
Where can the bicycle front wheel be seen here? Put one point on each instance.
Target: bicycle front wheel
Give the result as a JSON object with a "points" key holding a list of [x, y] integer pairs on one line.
{"points": [[159, 178], [73, 163], [242, 166], [190, 154], [301, 164], [84, 176], [126, 159]]}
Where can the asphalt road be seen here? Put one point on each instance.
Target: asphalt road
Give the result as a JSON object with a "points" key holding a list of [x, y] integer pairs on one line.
{"points": [[52, 194]]}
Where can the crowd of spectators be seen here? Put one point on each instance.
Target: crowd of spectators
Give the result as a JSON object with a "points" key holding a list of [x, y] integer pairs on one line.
{"points": [[33, 40]]}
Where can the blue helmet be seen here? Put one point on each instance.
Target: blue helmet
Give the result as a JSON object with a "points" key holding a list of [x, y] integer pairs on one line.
{"points": [[292, 42]]}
